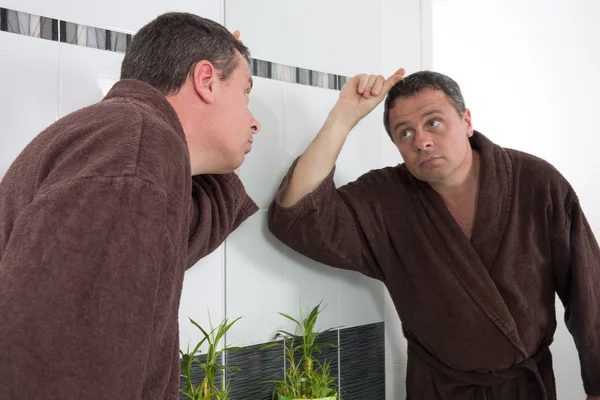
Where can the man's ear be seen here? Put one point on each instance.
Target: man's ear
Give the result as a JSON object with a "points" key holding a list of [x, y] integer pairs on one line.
{"points": [[204, 79], [468, 122]]}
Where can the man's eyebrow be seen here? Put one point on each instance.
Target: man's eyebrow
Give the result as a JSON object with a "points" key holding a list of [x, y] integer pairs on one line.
{"points": [[426, 114]]}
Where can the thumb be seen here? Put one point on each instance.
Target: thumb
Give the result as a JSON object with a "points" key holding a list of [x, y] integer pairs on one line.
{"points": [[392, 80]]}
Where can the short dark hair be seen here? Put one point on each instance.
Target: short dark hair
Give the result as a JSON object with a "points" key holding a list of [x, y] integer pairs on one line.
{"points": [[414, 83], [165, 51]]}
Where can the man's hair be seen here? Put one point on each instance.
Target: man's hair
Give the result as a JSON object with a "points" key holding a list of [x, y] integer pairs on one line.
{"points": [[165, 52], [414, 83]]}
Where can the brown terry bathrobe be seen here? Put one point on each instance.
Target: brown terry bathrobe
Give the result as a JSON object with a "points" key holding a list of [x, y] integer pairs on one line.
{"points": [[478, 315], [99, 219]]}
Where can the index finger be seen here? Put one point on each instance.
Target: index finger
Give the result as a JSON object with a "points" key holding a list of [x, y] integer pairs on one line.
{"points": [[237, 35], [392, 80]]}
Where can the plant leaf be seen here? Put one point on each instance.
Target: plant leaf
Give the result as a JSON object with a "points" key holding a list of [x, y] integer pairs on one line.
{"points": [[290, 318]]}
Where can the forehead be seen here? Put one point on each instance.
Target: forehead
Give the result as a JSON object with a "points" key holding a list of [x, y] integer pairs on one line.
{"points": [[422, 102], [242, 70]]}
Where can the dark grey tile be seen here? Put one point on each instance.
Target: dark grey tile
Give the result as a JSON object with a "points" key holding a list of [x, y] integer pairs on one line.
{"points": [[3, 19], [197, 376], [328, 353], [62, 31], [107, 40], [55, 29], [256, 367], [362, 362]]}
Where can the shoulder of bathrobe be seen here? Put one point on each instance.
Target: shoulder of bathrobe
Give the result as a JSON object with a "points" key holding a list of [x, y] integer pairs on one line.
{"points": [[537, 176]]}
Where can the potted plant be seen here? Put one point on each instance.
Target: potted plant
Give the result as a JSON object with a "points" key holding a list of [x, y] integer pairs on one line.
{"points": [[304, 376], [208, 389]]}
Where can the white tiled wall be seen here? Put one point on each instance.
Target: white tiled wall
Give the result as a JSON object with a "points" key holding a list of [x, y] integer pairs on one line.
{"points": [[342, 37], [264, 277], [203, 295], [29, 92], [85, 76], [269, 152], [270, 276]]}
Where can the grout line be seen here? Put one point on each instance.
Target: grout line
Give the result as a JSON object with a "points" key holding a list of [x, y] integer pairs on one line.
{"points": [[339, 329], [224, 305], [339, 377], [59, 79], [223, 12]]}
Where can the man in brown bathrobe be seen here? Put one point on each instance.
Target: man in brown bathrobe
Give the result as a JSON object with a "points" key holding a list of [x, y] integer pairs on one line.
{"points": [[472, 241], [102, 213]]}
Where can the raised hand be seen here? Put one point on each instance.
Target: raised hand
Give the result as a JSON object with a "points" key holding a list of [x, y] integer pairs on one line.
{"points": [[362, 93]]}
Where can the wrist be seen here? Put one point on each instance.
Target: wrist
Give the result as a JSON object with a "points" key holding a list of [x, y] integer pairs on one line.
{"points": [[341, 120]]}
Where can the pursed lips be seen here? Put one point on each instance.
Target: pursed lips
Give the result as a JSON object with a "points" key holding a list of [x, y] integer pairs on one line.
{"points": [[428, 160]]}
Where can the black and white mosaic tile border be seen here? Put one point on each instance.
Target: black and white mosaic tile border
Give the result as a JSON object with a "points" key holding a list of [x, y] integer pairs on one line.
{"points": [[302, 76], [23, 23]]}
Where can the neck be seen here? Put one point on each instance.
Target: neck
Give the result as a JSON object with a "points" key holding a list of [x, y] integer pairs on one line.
{"points": [[188, 116], [464, 183]]}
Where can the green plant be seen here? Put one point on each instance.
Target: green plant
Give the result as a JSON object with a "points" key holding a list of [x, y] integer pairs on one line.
{"points": [[304, 376], [208, 389]]}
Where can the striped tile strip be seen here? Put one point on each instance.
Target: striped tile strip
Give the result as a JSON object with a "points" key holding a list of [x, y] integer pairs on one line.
{"points": [[22, 23], [28, 24]]}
